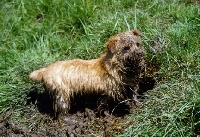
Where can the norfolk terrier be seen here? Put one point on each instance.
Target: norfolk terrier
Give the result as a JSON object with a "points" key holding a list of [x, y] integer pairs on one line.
{"points": [[115, 74]]}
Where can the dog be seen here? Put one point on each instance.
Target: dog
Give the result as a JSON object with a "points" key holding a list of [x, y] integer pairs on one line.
{"points": [[114, 74]]}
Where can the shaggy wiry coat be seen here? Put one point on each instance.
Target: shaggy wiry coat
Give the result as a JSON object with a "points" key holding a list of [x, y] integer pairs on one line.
{"points": [[114, 74]]}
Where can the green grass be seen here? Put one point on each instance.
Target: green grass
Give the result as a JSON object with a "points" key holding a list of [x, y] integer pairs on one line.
{"points": [[37, 33]]}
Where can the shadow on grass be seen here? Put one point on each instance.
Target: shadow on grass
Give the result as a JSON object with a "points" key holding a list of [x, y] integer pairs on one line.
{"points": [[41, 100]]}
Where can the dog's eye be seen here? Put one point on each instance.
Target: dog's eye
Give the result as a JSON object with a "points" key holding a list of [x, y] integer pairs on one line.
{"points": [[126, 48], [138, 44]]}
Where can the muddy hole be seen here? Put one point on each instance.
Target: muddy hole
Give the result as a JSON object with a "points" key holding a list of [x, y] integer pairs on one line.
{"points": [[90, 115], [96, 103]]}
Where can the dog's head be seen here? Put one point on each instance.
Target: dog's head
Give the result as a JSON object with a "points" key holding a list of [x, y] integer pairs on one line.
{"points": [[126, 47]]}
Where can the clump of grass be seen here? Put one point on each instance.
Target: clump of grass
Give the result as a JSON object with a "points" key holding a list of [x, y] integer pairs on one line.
{"points": [[37, 33]]}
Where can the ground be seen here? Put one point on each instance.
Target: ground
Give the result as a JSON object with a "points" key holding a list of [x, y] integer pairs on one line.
{"points": [[88, 117]]}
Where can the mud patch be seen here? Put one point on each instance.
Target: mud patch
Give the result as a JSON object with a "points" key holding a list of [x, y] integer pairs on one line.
{"points": [[89, 116]]}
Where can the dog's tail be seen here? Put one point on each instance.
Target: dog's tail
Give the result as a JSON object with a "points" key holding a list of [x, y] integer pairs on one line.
{"points": [[37, 75]]}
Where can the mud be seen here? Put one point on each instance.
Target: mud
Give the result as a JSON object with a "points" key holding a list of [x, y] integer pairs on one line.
{"points": [[90, 116]]}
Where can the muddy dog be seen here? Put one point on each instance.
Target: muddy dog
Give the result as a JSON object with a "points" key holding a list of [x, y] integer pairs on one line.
{"points": [[115, 74]]}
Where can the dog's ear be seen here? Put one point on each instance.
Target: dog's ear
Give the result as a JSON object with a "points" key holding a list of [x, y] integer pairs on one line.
{"points": [[136, 32], [111, 44]]}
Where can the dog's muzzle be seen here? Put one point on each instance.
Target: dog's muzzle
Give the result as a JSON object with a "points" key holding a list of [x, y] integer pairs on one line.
{"points": [[140, 53]]}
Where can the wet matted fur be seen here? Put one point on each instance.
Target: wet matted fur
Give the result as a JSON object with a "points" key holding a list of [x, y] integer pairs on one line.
{"points": [[115, 74]]}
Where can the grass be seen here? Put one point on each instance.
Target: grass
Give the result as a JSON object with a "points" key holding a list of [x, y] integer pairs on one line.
{"points": [[37, 33]]}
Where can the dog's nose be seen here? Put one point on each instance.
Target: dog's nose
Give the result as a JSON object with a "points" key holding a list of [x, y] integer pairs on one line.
{"points": [[140, 52]]}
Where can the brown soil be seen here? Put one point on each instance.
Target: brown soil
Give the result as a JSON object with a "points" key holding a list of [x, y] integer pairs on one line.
{"points": [[90, 116]]}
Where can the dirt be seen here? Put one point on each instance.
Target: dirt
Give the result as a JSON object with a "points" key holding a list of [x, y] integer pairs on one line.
{"points": [[90, 116]]}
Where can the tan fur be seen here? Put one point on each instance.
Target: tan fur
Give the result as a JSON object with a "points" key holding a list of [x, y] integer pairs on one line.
{"points": [[114, 74]]}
